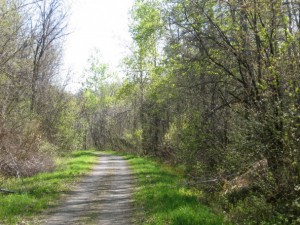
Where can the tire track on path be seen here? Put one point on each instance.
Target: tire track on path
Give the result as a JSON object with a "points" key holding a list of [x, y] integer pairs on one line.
{"points": [[103, 197]]}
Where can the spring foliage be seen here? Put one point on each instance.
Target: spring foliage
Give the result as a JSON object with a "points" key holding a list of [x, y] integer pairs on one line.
{"points": [[214, 86]]}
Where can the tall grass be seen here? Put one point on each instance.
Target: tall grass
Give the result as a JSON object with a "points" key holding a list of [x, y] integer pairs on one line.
{"points": [[41, 190], [161, 197]]}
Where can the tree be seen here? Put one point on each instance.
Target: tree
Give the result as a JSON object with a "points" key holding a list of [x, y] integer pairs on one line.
{"points": [[98, 95], [214, 85], [32, 106], [47, 32]]}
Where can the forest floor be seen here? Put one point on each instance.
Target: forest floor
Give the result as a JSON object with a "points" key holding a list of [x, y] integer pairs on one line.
{"points": [[103, 197]]}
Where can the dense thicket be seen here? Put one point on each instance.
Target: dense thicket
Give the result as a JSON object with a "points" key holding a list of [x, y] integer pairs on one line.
{"points": [[214, 85], [34, 109]]}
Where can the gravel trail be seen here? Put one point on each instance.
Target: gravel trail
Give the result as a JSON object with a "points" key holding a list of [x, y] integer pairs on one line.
{"points": [[102, 197]]}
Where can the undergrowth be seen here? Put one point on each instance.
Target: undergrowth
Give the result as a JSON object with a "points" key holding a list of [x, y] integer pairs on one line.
{"points": [[34, 194]]}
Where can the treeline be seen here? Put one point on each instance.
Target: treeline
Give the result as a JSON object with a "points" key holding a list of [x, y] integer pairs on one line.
{"points": [[211, 85], [36, 114]]}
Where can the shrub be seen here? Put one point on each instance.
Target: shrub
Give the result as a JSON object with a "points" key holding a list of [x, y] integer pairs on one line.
{"points": [[20, 152], [251, 210]]}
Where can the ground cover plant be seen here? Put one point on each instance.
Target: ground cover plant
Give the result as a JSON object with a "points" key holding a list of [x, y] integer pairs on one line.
{"points": [[161, 196], [35, 194]]}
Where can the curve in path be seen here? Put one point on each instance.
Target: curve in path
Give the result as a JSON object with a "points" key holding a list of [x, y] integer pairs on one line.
{"points": [[103, 197]]}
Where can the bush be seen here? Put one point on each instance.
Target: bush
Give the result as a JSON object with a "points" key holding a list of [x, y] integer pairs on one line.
{"points": [[20, 151], [251, 210]]}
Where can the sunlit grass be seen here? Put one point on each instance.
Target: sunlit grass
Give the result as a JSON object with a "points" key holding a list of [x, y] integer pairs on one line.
{"points": [[162, 198], [40, 191]]}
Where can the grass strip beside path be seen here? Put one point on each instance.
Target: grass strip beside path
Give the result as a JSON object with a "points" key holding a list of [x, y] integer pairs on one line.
{"points": [[40, 191], [162, 199]]}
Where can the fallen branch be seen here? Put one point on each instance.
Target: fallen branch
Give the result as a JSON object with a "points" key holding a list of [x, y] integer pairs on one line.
{"points": [[7, 191]]}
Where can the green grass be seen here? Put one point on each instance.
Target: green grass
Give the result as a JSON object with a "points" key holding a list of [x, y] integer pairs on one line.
{"points": [[42, 190], [162, 198]]}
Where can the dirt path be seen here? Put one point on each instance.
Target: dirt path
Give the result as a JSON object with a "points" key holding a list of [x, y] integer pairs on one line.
{"points": [[103, 197]]}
